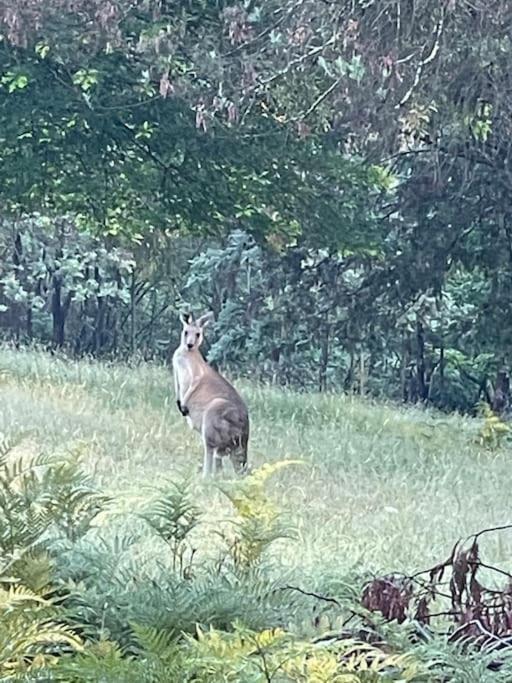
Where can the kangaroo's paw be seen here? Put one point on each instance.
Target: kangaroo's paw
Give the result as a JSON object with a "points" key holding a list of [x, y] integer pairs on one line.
{"points": [[183, 409]]}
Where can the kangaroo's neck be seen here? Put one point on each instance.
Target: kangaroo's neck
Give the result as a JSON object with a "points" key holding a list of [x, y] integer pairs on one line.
{"points": [[194, 357]]}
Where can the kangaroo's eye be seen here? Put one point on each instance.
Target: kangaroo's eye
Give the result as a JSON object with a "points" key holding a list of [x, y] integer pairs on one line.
{"points": [[197, 335]]}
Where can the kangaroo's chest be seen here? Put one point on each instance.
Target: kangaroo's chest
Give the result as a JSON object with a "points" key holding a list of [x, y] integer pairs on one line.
{"points": [[184, 373], [189, 373]]}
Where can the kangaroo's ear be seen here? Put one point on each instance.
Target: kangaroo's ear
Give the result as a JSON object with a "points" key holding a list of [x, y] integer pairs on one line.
{"points": [[205, 319], [186, 318]]}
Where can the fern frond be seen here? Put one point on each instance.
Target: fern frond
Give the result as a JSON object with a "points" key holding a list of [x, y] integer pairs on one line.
{"points": [[28, 637], [258, 522], [11, 597], [155, 642]]}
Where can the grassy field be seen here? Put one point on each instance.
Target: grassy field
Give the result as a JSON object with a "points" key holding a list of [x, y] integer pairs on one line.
{"points": [[381, 487]]}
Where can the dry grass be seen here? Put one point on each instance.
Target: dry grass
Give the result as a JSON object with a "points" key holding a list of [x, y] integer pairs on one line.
{"points": [[381, 487]]}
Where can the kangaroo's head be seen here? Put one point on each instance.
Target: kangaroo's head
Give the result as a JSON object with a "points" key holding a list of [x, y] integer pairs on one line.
{"points": [[192, 334]]}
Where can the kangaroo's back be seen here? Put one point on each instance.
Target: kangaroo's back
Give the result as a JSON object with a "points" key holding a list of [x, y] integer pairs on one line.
{"points": [[213, 385]]}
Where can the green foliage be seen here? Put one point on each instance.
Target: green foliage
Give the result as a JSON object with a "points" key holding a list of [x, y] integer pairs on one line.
{"points": [[173, 516], [72, 499], [24, 513], [258, 522], [274, 655], [102, 661], [494, 431], [115, 587], [31, 635], [39, 495], [51, 272], [373, 181], [127, 145]]}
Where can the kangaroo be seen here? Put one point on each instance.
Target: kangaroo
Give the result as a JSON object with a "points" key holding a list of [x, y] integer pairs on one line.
{"points": [[210, 403]]}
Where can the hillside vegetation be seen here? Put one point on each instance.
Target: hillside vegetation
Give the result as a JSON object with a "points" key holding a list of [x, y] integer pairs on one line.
{"points": [[119, 559]]}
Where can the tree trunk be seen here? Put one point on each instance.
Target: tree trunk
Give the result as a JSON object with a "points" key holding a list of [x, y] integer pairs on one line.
{"points": [[80, 342], [441, 371], [29, 322], [58, 313], [324, 359], [404, 365], [501, 398], [422, 386], [16, 308], [98, 337], [348, 382], [362, 374], [133, 315]]}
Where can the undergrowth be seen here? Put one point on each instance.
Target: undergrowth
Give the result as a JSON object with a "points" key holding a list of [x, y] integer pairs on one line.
{"points": [[82, 601]]}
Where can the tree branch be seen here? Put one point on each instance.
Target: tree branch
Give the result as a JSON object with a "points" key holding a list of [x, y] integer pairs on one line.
{"points": [[424, 62]]}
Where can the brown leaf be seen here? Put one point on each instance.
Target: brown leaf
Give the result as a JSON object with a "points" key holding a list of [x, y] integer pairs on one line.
{"points": [[422, 613]]}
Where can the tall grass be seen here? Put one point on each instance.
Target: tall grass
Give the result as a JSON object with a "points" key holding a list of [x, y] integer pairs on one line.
{"points": [[381, 487]]}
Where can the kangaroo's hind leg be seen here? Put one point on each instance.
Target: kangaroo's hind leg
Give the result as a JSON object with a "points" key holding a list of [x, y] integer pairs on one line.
{"points": [[238, 454], [217, 462], [209, 453], [238, 457], [207, 461]]}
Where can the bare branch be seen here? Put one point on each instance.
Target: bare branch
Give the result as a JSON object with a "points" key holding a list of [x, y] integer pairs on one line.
{"points": [[424, 62]]}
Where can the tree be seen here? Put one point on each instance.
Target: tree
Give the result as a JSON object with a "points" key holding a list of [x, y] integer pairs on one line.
{"points": [[51, 268], [372, 139]]}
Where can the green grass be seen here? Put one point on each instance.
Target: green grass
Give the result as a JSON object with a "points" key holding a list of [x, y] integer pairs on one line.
{"points": [[381, 488]]}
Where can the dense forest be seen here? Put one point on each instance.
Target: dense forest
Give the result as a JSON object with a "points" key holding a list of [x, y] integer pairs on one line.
{"points": [[332, 179]]}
